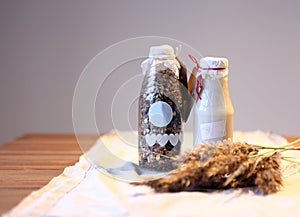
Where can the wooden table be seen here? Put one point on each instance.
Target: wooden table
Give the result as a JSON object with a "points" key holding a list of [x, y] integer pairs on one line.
{"points": [[31, 161]]}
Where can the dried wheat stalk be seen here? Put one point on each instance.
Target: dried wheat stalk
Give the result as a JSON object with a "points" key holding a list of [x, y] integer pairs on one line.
{"points": [[226, 165]]}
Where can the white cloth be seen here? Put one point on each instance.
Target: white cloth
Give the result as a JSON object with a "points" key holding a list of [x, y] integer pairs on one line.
{"points": [[81, 190]]}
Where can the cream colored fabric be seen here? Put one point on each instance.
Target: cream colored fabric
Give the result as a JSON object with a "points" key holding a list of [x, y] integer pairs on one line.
{"points": [[87, 190]]}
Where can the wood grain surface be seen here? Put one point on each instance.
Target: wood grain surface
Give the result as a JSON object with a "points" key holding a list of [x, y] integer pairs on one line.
{"points": [[31, 161]]}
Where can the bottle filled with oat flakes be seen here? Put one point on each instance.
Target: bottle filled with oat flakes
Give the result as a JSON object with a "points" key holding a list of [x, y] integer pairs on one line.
{"points": [[213, 111], [160, 109]]}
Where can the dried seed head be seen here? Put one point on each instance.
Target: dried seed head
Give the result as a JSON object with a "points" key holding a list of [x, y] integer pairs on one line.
{"points": [[226, 165], [268, 176]]}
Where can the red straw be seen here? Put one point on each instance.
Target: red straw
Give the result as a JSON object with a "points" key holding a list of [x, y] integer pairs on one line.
{"points": [[199, 81], [194, 60]]}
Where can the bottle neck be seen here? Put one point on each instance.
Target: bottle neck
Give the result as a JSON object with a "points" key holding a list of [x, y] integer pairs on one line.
{"points": [[215, 94], [152, 65], [216, 84]]}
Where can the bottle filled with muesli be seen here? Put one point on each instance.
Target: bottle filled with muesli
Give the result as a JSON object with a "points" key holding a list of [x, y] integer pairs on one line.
{"points": [[160, 109]]}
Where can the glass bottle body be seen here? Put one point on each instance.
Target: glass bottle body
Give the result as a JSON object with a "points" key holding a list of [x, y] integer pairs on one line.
{"points": [[213, 113], [160, 121]]}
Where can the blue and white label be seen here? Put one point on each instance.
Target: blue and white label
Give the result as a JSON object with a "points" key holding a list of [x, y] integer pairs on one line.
{"points": [[160, 114]]}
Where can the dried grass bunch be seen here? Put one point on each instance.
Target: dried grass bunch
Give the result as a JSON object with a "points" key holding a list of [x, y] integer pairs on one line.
{"points": [[223, 166]]}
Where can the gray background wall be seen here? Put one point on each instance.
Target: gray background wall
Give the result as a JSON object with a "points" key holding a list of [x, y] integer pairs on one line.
{"points": [[44, 46]]}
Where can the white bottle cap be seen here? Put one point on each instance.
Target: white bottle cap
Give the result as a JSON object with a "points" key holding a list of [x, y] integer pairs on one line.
{"points": [[213, 63], [161, 58], [162, 52]]}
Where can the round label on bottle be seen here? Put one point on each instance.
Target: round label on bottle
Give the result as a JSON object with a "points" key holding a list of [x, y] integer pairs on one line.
{"points": [[160, 114]]}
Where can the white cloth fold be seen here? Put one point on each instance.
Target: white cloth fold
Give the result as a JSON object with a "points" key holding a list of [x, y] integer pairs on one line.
{"points": [[86, 189]]}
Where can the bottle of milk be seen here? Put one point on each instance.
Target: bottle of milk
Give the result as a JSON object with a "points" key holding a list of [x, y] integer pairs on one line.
{"points": [[213, 112]]}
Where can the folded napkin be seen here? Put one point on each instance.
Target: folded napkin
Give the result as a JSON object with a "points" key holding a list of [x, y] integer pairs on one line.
{"points": [[97, 185]]}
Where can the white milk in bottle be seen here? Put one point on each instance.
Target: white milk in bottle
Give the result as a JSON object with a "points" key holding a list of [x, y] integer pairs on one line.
{"points": [[213, 112]]}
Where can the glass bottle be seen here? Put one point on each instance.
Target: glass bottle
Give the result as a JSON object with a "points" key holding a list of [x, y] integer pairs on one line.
{"points": [[160, 105], [213, 112]]}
